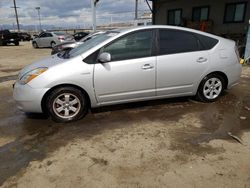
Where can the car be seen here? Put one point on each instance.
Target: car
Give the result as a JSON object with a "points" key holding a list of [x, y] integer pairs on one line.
{"points": [[70, 45], [129, 65], [79, 35], [24, 36], [7, 37], [50, 39]]}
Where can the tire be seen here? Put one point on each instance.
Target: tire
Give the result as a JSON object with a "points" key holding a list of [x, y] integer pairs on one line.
{"points": [[66, 104], [34, 44], [17, 43], [52, 44], [211, 87]]}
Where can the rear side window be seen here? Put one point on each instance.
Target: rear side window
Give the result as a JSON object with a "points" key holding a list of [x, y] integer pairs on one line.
{"points": [[207, 42], [174, 41]]}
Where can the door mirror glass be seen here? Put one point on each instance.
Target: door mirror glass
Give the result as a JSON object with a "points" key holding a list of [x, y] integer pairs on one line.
{"points": [[104, 57]]}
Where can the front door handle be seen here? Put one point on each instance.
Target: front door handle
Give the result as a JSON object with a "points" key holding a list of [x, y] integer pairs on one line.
{"points": [[147, 66], [201, 60]]}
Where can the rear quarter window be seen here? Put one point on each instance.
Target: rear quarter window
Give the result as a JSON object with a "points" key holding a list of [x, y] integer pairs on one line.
{"points": [[207, 42]]}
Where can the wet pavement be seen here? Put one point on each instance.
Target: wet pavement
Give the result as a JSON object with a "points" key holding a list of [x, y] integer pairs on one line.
{"points": [[34, 136]]}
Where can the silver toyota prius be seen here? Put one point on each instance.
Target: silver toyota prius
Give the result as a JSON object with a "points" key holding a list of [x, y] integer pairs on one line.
{"points": [[128, 65]]}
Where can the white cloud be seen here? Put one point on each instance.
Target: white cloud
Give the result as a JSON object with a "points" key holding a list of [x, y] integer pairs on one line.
{"points": [[68, 12]]}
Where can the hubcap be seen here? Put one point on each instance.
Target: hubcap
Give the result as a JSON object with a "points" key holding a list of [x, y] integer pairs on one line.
{"points": [[212, 88], [66, 105]]}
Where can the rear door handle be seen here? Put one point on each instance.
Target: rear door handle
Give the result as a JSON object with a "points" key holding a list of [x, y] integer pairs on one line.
{"points": [[147, 66], [201, 60]]}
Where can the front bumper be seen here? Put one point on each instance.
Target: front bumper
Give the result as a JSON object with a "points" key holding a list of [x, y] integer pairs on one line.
{"points": [[27, 98]]}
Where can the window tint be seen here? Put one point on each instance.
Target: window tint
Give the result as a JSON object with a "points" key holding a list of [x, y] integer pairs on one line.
{"points": [[235, 12], [49, 35], [132, 46], [200, 13], [42, 35], [207, 42], [173, 41], [174, 17], [92, 59]]}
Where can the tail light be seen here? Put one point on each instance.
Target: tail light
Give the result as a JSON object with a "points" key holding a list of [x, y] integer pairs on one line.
{"points": [[61, 38]]}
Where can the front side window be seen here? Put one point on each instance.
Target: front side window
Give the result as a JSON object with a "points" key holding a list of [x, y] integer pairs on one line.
{"points": [[173, 41], [174, 17], [235, 12], [132, 46], [200, 13]]}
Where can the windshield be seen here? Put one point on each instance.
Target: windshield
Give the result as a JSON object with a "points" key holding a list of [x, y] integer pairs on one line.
{"points": [[91, 43]]}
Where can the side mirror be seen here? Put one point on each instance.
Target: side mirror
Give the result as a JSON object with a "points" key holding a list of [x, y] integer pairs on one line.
{"points": [[104, 57]]}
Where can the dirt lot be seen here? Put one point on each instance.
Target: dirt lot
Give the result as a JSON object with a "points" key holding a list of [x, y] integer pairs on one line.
{"points": [[166, 143]]}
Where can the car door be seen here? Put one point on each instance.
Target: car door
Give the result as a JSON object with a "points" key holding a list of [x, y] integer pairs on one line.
{"points": [[48, 39], [181, 63], [130, 75], [40, 39]]}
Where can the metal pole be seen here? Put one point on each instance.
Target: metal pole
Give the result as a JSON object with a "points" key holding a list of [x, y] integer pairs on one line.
{"points": [[136, 9], [15, 7], [39, 17], [93, 7]]}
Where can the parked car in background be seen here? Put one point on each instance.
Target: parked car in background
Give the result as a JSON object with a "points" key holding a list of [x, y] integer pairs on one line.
{"points": [[24, 36], [78, 36], [50, 39], [129, 65], [70, 45], [8, 37]]}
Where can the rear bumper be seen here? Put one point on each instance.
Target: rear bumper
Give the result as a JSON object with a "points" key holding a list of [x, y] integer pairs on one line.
{"points": [[27, 98], [234, 73]]}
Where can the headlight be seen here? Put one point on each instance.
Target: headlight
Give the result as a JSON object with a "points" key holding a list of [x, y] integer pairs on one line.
{"points": [[26, 78]]}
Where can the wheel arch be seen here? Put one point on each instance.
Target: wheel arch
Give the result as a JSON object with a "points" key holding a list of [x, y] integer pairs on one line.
{"points": [[43, 102], [220, 73]]}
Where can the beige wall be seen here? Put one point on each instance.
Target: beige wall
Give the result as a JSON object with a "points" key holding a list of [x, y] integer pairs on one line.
{"points": [[217, 9]]}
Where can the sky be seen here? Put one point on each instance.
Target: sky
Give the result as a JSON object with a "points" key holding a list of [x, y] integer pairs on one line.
{"points": [[69, 13]]}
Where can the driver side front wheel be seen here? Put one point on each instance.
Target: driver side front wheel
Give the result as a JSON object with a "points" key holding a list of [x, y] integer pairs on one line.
{"points": [[67, 104]]}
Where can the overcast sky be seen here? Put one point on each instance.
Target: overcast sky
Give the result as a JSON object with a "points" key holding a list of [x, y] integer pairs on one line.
{"points": [[72, 13]]}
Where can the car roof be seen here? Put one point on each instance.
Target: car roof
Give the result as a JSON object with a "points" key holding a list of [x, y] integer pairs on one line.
{"points": [[136, 28]]}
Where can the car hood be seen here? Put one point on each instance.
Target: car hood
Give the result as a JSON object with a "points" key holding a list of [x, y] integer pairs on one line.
{"points": [[49, 61]]}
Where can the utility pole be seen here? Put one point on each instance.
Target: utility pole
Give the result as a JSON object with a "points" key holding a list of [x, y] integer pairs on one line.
{"points": [[17, 21], [93, 7], [39, 17], [136, 9]]}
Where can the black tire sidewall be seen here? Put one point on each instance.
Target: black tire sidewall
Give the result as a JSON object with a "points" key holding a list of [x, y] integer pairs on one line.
{"points": [[54, 94], [34, 45], [51, 44], [200, 94]]}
